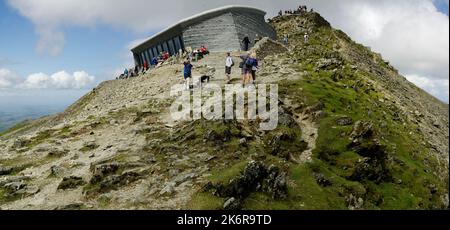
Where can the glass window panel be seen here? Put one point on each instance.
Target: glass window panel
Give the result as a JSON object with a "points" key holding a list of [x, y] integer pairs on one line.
{"points": [[172, 47], [165, 47]]}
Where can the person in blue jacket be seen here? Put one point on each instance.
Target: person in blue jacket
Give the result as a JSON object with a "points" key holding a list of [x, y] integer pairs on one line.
{"points": [[187, 73]]}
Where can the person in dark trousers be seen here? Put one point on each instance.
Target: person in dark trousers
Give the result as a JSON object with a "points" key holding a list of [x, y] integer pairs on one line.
{"points": [[242, 66], [187, 74], [251, 66], [246, 42], [136, 70]]}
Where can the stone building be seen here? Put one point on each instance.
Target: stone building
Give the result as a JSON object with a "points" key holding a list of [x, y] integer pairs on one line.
{"points": [[221, 29]]}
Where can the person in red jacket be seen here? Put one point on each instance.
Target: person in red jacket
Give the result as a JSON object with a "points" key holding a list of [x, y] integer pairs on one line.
{"points": [[166, 56], [145, 66]]}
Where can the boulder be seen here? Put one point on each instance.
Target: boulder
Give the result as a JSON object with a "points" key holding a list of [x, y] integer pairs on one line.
{"points": [[169, 189], [321, 180], [6, 170], [232, 204], [362, 130], [344, 121], [71, 182], [276, 183]]}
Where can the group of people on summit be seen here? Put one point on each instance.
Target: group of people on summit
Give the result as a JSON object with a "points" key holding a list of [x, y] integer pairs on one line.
{"points": [[300, 10]]}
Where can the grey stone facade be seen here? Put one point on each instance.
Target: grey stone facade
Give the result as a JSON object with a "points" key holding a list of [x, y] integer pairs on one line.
{"points": [[220, 29]]}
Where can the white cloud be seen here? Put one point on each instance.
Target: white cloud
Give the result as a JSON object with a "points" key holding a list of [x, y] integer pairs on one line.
{"points": [[412, 34], [59, 80], [438, 87], [7, 78]]}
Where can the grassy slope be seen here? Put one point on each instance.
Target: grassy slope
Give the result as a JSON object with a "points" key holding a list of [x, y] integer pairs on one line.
{"points": [[409, 162]]}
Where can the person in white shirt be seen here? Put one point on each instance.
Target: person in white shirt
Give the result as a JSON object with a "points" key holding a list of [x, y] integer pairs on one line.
{"points": [[229, 63], [306, 37]]}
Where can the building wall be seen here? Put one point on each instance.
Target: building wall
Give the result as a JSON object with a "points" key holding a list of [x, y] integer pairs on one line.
{"points": [[250, 24], [220, 33], [217, 34]]}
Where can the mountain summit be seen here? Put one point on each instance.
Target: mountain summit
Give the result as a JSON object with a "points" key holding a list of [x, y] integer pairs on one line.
{"points": [[352, 134]]}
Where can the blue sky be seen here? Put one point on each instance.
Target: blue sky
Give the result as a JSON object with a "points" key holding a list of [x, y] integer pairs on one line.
{"points": [[97, 50], [91, 39]]}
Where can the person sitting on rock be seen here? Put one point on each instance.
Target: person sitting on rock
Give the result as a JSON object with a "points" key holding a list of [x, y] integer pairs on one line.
{"points": [[166, 56], [204, 51], [154, 62]]}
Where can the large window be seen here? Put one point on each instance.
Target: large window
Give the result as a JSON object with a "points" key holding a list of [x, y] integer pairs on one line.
{"points": [[172, 49], [165, 47], [177, 43], [142, 58], [155, 51], [150, 53], [146, 57]]}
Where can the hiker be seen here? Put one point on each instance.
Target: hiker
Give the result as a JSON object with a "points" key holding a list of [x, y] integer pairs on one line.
{"points": [[203, 50], [154, 62], [286, 39], [252, 67], [187, 74], [280, 13], [136, 70], [125, 73], [166, 56], [145, 66], [244, 58], [246, 42], [248, 65], [229, 63], [257, 38], [306, 36]]}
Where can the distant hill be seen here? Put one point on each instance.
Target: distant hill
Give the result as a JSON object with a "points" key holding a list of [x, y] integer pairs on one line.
{"points": [[13, 114]]}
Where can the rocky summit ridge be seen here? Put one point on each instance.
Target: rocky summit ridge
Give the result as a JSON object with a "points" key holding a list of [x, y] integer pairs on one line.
{"points": [[353, 134]]}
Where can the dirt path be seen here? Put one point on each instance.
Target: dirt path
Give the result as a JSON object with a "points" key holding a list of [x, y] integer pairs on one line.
{"points": [[310, 132]]}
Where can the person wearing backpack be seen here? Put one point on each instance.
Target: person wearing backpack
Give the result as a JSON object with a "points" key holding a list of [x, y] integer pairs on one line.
{"points": [[229, 63], [251, 66], [242, 66]]}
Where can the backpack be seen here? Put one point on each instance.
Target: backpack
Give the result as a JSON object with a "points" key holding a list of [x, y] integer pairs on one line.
{"points": [[241, 65], [250, 63]]}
